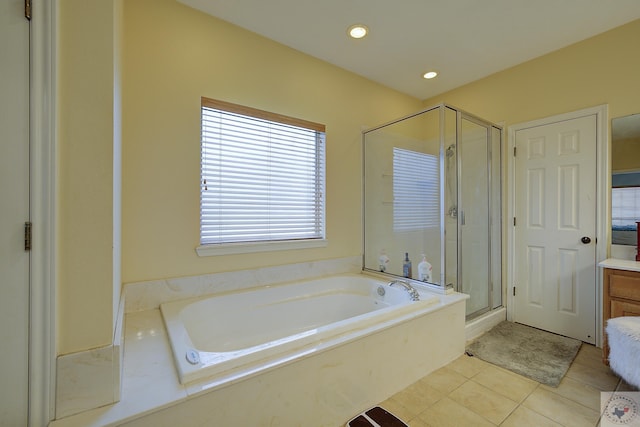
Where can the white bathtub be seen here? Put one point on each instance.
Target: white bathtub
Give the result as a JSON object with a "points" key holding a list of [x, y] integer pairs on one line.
{"points": [[217, 335]]}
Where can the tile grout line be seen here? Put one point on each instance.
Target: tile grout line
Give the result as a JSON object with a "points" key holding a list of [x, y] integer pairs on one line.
{"points": [[585, 361], [518, 404]]}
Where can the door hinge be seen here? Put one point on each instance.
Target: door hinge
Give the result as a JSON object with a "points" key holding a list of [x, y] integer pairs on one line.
{"points": [[514, 221], [27, 9], [27, 236], [514, 151], [514, 291]]}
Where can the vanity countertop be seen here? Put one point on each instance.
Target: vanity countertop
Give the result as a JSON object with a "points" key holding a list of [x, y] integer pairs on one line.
{"points": [[620, 264]]}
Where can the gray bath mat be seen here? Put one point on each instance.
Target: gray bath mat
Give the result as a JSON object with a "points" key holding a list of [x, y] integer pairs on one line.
{"points": [[533, 353]]}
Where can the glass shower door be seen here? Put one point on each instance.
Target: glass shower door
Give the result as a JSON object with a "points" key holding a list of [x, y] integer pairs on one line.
{"points": [[432, 190], [474, 248]]}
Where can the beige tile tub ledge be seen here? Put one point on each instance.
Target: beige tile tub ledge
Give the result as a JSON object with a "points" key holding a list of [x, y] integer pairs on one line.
{"points": [[150, 381]]}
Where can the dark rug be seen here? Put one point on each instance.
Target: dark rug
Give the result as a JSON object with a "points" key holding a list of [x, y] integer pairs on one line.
{"points": [[542, 356]]}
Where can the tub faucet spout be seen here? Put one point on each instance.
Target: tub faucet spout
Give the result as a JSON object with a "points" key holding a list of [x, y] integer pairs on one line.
{"points": [[413, 293]]}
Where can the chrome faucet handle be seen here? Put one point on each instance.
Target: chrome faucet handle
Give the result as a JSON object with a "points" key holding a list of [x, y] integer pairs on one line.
{"points": [[413, 293]]}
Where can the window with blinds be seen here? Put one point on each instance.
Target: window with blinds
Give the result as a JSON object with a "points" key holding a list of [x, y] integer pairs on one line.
{"points": [[262, 176], [415, 190]]}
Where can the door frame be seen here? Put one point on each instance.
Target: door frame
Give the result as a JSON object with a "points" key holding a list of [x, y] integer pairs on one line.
{"points": [[42, 156], [603, 211]]}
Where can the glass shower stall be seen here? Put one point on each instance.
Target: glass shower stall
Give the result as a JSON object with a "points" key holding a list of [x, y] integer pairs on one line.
{"points": [[432, 203]]}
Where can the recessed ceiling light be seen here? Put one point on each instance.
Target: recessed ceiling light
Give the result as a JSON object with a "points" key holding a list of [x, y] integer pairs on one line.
{"points": [[358, 31], [429, 74]]}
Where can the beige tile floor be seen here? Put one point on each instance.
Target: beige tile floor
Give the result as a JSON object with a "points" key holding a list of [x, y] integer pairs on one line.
{"points": [[471, 392]]}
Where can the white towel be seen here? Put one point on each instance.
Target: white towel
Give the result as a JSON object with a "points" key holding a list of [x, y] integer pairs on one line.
{"points": [[624, 348]]}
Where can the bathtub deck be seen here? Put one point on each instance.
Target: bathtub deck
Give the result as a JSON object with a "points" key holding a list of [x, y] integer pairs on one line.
{"points": [[150, 380], [258, 331]]}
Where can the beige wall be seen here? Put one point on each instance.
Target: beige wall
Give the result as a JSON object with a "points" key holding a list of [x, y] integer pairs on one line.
{"points": [[601, 70], [87, 255], [625, 155], [173, 56]]}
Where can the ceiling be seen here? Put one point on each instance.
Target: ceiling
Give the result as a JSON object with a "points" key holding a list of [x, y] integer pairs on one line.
{"points": [[463, 40]]}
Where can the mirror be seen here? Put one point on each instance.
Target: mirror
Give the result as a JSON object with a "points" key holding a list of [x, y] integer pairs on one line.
{"points": [[625, 182]]}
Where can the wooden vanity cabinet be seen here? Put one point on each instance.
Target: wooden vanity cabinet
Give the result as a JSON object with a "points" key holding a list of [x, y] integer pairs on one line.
{"points": [[621, 297]]}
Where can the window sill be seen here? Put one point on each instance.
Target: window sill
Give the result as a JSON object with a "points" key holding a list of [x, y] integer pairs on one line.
{"points": [[246, 248]]}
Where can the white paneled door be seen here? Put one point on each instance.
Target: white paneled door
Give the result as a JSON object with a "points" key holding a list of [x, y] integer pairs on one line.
{"points": [[14, 212], [555, 227]]}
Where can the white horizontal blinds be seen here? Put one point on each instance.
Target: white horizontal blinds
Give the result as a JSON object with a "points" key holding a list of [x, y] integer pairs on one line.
{"points": [[415, 190], [625, 206], [262, 176]]}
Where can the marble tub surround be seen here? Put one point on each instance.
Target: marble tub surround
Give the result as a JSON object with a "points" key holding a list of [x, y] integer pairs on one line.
{"points": [[149, 379], [93, 378], [238, 330], [86, 380], [328, 388], [328, 385], [148, 295]]}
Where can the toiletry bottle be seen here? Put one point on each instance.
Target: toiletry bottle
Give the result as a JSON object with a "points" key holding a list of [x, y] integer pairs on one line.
{"points": [[383, 260], [424, 270], [406, 266]]}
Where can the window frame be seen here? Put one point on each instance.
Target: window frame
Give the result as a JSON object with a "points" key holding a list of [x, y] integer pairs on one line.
{"points": [[221, 248]]}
